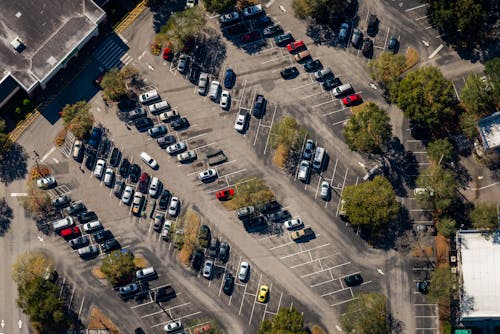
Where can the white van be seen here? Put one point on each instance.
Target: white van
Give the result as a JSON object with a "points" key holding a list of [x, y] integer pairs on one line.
{"points": [[77, 150], [214, 91], [148, 96], [145, 273], [148, 160], [62, 223], [92, 226], [319, 157], [158, 107], [343, 89]]}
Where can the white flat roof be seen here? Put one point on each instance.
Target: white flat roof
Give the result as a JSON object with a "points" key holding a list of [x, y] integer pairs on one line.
{"points": [[489, 128], [480, 269]]}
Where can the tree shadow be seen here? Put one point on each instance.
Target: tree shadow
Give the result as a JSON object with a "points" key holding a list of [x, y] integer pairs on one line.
{"points": [[162, 10], [214, 52], [402, 166], [13, 164], [387, 237], [5, 216]]}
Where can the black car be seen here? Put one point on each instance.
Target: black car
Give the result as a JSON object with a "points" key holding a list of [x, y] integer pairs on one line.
{"points": [[312, 65], [259, 106], [353, 280], [270, 207], [423, 287], [236, 29], [104, 148], [198, 258], [228, 284], [331, 82], [283, 39], [280, 216], [89, 162], [125, 168], [272, 30], [224, 252], [61, 202], [110, 245], [367, 47], [116, 155], [166, 141], [213, 248], [76, 208], [135, 172], [164, 199], [289, 72], [229, 78], [164, 293], [86, 217], [205, 235], [79, 242], [180, 123], [102, 235], [143, 124], [194, 73]]}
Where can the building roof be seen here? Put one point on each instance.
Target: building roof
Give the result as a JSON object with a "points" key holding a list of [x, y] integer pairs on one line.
{"points": [[480, 270], [489, 128], [49, 30]]}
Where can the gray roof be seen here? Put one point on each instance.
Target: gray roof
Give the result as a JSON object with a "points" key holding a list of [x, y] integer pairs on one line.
{"points": [[50, 31]]}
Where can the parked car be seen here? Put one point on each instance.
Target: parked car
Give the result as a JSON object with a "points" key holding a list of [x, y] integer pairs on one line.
{"points": [[142, 187], [46, 182], [272, 30], [330, 83], [86, 216], [351, 99], [164, 199], [229, 78], [259, 106], [145, 273], [155, 187], [198, 258], [293, 223], [168, 55], [203, 83], [142, 124], [296, 46], [136, 114], [207, 175], [229, 18], [109, 176], [367, 47], [325, 191], [304, 171], [179, 123], [228, 284], [372, 28], [263, 293], [182, 63], [253, 10], [165, 141], [157, 131], [95, 138], [357, 37], [208, 269], [224, 250], [224, 194], [110, 245], [177, 147], [245, 212], [76, 208], [241, 121], [204, 235], [61, 201], [278, 217], [244, 271], [308, 149], [92, 226], [393, 45], [158, 221], [172, 326], [124, 168], [173, 209], [99, 168], [353, 280], [70, 232], [168, 116], [137, 203], [102, 235], [323, 73], [289, 72], [78, 149], [187, 156], [194, 73], [299, 57], [116, 155], [119, 186], [88, 251], [344, 29], [250, 37], [312, 65], [270, 207], [128, 193], [148, 160], [225, 100], [135, 172], [213, 247], [79, 242], [283, 39], [128, 289]]}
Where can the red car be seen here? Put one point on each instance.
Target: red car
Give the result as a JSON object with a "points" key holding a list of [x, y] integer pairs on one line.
{"points": [[351, 99], [225, 194], [295, 46], [168, 54], [251, 36], [70, 232]]}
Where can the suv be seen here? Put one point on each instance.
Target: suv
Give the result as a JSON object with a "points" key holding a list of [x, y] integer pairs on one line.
{"points": [[279, 216], [372, 25], [259, 107], [213, 248], [86, 217]]}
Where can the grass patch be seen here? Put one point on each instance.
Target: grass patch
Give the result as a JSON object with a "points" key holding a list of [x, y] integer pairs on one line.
{"points": [[412, 58], [61, 136], [286, 135], [96, 271], [98, 320], [357, 108], [250, 192], [140, 262], [442, 247], [280, 156], [317, 330], [192, 222]]}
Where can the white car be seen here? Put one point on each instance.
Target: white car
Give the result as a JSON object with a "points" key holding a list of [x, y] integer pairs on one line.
{"points": [[173, 208], [243, 273], [207, 174], [166, 229], [148, 160], [252, 10], [109, 176], [154, 187], [241, 120], [234, 16], [186, 156], [293, 223], [167, 116], [127, 194], [325, 190], [225, 99], [208, 269], [173, 326], [99, 168], [190, 3], [177, 147], [45, 182]]}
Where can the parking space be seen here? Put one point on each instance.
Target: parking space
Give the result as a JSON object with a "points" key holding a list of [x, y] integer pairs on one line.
{"points": [[426, 314]]}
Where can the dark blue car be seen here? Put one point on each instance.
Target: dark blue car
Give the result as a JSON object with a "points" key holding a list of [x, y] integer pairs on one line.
{"points": [[230, 78], [95, 137]]}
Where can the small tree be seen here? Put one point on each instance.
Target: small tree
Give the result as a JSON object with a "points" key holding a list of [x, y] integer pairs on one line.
{"points": [[371, 203], [477, 96], [440, 151], [37, 201], [447, 226], [81, 124], [31, 265], [368, 313], [182, 26], [492, 70], [113, 85], [468, 124], [118, 267], [129, 72], [287, 320], [5, 144], [441, 285], [219, 6], [441, 185], [368, 130], [387, 68], [70, 111], [484, 217]]}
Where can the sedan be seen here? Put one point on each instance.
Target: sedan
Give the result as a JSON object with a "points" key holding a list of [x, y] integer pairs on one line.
{"points": [[172, 326], [325, 191], [79, 242], [157, 131], [344, 29], [357, 37], [308, 149], [244, 271], [164, 199], [110, 245], [127, 195], [279, 216], [187, 156], [312, 65], [207, 175], [223, 195], [295, 46], [225, 100], [229, 78], [293, 224], [351, 99], [177, 147], [273, 30], [173, 208], [331, 83], [224, 252], [353, 280], [263, 293], [182, 64], [289, 72], [99, 168], [76, 208], [228, 284], [208, 269], [167, 116], [180, 123], [168, 54], [166, 141], [124, 168], [61, 202], [367, 47], [393, 45], [241, 121], [128, 289]]}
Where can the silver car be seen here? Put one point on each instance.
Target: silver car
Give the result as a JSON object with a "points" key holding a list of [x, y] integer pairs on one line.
{"points": [[127, 195], [177, 147], [182, 64], [325, 190], [208, 269], [173, 208], [203, 83]]}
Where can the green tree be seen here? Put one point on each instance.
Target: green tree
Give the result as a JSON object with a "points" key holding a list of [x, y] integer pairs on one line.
{"points": [[82, 123], [470, 17], [368, 130], [371, 203], [477, 96], [286, 321], [39, 299], [113, 86], [447, 226], [5, 143], [71, 110], [441, 285], [37, 201], [367, 314], [31, 265], [118, 267], [219, 6], [322, 11], [286, 132], [468, 124], [426, 97], [183, 26], [442, 185], [387, 68], [492, 70], [484, 217], [440, 151]]}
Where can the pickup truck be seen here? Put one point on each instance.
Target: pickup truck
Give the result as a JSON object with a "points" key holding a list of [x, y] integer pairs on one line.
{"points": [[302, 233], [215, 157]]}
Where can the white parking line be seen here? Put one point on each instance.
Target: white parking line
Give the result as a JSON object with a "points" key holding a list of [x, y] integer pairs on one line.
{"points": [[305, 85], [197, 148], [257, 132], [386, 37], [421, 18], [81, 306], [265, 309], [269, 134], [242, 299], [311, 95], [179, 318], [282, 245], [162, 311], [306, 250], [255, 301], [335, 111], [191, 138], [320, 104], [308, 262], [271, 60], [343, 302], [334, 292], [417, 7], [323, 270]]}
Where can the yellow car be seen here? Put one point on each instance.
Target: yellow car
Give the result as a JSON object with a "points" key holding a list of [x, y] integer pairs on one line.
{"points": [[263, 293]]}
